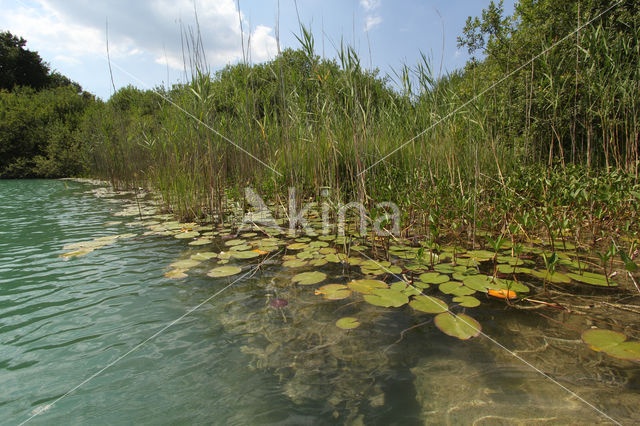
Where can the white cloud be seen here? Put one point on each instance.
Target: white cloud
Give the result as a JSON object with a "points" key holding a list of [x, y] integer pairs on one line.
{"points": [[370, 4], [70, 30], [371, 19]]}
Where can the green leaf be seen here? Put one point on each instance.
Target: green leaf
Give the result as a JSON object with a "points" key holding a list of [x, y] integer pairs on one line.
{"points": [[334, 291], [467, 301], [366, 286], [428, 304], [309, 278], [629, 264], [347, 323], [224, 271], [387, 298], [460, 326]]}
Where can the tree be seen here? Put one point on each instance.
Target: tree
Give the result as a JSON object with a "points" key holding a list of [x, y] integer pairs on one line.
{"points": [[19, 66]]}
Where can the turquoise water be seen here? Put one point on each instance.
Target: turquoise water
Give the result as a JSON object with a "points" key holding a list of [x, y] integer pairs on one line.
{"points": [[235, 360]]}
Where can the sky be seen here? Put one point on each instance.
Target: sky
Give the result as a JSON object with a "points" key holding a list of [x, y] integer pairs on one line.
{"points": [[144, 36]]}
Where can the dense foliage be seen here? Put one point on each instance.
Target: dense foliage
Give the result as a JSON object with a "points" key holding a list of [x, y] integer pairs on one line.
{"points": [[554, 85], [39, 113]]}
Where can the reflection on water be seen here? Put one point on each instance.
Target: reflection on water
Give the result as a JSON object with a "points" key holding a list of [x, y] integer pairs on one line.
{"points": [[240, 360]]}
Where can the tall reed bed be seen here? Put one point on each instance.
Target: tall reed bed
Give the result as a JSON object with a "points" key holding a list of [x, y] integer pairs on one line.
{"points": [[429, 143]]}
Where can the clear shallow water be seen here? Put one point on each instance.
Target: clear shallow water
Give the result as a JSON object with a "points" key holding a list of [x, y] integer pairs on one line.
{"points": [[238, 361]]}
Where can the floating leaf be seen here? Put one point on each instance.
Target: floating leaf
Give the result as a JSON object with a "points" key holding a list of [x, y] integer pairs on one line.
{"points": [[224, 271], [449, 287], [234, 242], [347, 323], [176, 274], [295, 263], [591, 279], [386, 297], [556, 277], [612, 343], [187, 234], [334, 291], [200, 242], [467, 301], [478, 282], [428, 304], [445, 268], [204, 256], [433, 278], [309, 278], [185, 264], [366, 286], [463, 290], [460, 326], [243, 254], [297, 246]]}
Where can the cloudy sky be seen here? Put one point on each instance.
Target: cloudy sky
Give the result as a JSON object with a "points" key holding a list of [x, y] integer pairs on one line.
{"points": [[145, 43]]}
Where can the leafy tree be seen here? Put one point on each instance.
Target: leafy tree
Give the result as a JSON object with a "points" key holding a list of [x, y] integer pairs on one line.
{"points": [[19, 66]]}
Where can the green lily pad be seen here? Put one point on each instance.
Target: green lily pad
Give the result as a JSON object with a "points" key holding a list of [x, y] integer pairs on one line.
{"points": [[235, 242], [433, 278], [185, 264], [334, 291], [309, 278], [449, 287], [386, 297], [467, 301], [347, 323], [224, 271], [556, 277], [176, 274], [240, 247], [612, 343], [200, 242], [478, 282], [204, 256], [188, 234], [460, 326], [297, 246], [445, 268], [463, 290], [510, 269], [592, 279], [295, 263], [428, 304], [480, 255], [318, 262], [244, 254], [366, 286], [601, 340]]}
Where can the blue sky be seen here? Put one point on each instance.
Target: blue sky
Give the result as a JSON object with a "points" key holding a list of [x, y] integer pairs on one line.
{"points": [[145, 46]]}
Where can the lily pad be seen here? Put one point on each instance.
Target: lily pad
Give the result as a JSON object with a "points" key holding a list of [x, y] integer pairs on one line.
{"points": [[224, 271], [200, 242], [386, 297], [428, 304], [185, 263], [449, 287], [460, 326], [234, 242], [347, 323], [297, 246], [366, 286], [612, 343], [433, 278], [186, 235], [309, 278], [334, 291], [467, 301], [295, 263], [592, 279], [176, 274], [243, 254], [556, 277], [204, 256]]}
